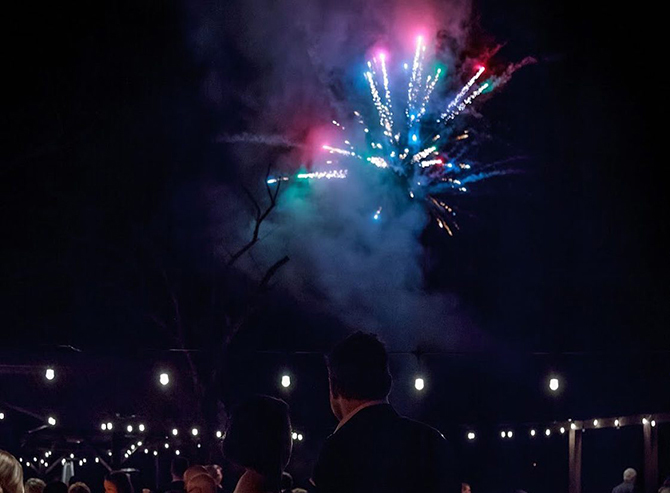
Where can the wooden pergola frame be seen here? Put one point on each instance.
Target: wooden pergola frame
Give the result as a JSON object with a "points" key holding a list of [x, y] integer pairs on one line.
{"points": [[649, 425]]}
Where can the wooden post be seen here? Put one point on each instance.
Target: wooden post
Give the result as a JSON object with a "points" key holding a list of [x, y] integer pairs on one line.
{"points": [[575, 461], [650, 458]]}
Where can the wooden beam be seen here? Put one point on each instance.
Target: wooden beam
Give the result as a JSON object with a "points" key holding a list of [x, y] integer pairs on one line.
{"points": [[575, 461], [650, 457]]}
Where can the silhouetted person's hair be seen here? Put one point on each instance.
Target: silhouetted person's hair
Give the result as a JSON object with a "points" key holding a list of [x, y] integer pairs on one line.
{"points": [[358, 368], [79, 487], [259, 438], [56, 487], [11, 474], [178, 466], [35, 485], [121, 480]]}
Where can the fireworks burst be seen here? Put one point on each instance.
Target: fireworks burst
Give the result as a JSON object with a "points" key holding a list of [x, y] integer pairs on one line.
{"points": [[414, 150]]}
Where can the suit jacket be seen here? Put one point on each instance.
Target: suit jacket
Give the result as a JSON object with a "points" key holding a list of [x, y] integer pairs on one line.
{"points": [[624, 488], [378, 451]]}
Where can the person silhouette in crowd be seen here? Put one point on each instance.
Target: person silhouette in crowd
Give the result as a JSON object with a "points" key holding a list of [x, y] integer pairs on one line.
{"points": [[11, 474], [78, 487], [628, 485], [259, 439], [35, 485], [178, 467], [117, 482], [373, 449], [191, 472], [55, 487], [202, 483], [215, 471]]}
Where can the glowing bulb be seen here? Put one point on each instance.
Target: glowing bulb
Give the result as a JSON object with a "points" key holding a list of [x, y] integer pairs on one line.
{"points": [[285, 381], [2, 415], [97, 460], [562, 430], [419, 384], [141, 427], [146, 450], [573, 426], [155, 452], [103, 426], [300, 436], [294, 435], [219, 434], [510, 434], [109, 426], [616, 422], [164, 379], [502, 434], [595, 422], [471, 435], [175, 431], [167, 445], [194, 432], [129, 428], [51, 420], [532, 433], [547, 432], [645, 421], [176, 452], [553, 384], [653, 423], [50, 374]]}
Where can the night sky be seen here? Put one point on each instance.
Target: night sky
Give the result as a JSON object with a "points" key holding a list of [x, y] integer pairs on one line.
{"points": [[113, 174]]}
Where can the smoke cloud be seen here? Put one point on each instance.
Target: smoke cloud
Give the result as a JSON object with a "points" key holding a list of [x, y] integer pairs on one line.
{"points": [[292, 66]]}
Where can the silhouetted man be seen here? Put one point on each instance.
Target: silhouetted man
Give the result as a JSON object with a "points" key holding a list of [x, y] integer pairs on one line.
{"points": [[373, 449], [628, 485], [177, 468]]}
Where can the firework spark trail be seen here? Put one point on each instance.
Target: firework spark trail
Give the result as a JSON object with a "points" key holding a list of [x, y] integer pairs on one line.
{"points": [[466, 102], [462, 92], [414, 82]]}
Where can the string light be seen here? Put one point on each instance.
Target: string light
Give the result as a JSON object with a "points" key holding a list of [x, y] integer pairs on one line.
{"points": [[219, 434], [141, 427], [164, 379], [129, 428], [50, 374], [175, 431], [51, 420], [286, 381], [419, 384], [194, 432], [596, 422], [553, 384], [653, 423], [2, 416], [300, 437], [616, 423], [510, 434], [471, 435], [103, 426], [645, 421], [547, 432], [294, 435], [573, 426], [562, 430], [176, 452], [532, 433], [502, 434], [109, 426]]}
